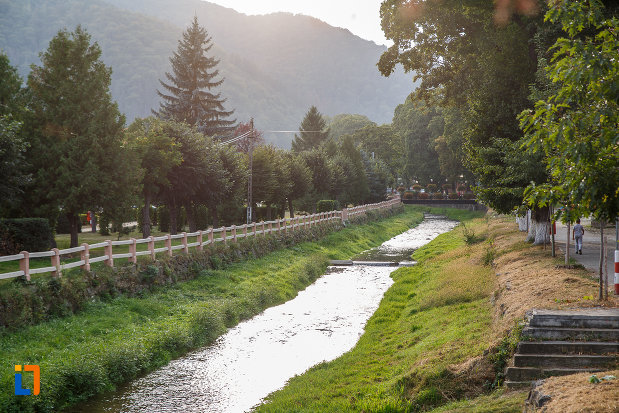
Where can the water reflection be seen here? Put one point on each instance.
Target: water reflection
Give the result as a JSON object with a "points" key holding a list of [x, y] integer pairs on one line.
{"points": [[259, 355]]}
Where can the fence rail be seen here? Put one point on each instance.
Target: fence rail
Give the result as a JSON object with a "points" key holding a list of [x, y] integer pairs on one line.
{"points": [[202, 238]]}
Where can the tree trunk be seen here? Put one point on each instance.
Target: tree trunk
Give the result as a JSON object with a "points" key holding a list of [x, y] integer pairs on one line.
{"points": [[567, 244], [191, 217], [146, 217], [268, 212], [215, 217], [602, 253], [290, 208], [74, 220], [173, 217], [530, 227], [522, 222], [542, 228], [93, 222]]}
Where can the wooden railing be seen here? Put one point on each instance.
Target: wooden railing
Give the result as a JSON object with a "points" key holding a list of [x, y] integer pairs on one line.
{"points": [[199, 239]]}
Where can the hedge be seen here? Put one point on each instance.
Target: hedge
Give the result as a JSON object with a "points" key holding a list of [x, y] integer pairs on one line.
{"points": [[24, 234], [327, 205]]}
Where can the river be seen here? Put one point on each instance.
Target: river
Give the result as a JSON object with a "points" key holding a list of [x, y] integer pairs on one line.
{"points": [[259, 355]]}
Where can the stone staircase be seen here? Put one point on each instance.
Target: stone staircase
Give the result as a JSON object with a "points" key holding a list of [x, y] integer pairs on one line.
{"points": [[559, 343]]}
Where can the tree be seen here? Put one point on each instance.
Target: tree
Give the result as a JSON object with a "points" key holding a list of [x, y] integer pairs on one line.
{"points": [[81, 159], [158, 153], [346, 124], [313, 131], [255, 139], [414, 123], [386, 144], [193, 76], [300, 179], [227, 192], [13, 145]]}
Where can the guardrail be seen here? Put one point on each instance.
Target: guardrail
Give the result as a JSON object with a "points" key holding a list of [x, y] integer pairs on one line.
{"points": [[202, 238]]}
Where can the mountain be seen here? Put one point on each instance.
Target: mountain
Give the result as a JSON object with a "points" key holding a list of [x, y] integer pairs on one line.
{"points": [[275, 66]]}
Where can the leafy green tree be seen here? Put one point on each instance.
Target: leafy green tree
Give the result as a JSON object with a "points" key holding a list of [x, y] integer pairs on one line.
{"points": [[271, 177], [346, 124], [385, 144], [13, 145], [158, 153], [356, 188], [225, 193], [300, 179], [414, 123], [188, 96], [313, 131], [577, 127], [84, 166]]}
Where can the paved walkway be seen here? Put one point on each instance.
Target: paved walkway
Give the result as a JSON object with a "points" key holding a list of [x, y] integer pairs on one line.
{"points": [[590, 257]]}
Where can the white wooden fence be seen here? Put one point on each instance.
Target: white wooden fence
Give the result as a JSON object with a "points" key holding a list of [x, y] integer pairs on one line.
{"points": [[202, 238]]}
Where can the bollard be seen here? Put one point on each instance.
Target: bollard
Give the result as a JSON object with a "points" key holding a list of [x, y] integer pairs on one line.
{"points": [[616, 272]]}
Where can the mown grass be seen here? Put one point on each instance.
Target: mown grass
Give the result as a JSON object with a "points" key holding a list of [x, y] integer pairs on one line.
{"points": [[110, 342], [435, 317]]}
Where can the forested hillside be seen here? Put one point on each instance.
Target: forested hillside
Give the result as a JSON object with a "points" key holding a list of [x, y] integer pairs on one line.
{"points": [[275, 66]]}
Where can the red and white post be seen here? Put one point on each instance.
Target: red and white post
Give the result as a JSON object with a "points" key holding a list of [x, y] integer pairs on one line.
{"points": [[616, 272]]}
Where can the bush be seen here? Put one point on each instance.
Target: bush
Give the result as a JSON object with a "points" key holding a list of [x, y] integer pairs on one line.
{"points": [[461, 188], [431, 188], [401, 189], [326, 205], [437, 195], [424, 195], [446, 187], [417, 187], [24, 234], [408, 195], [104, 224], [63, 226], [469, 195], [453, 195]]}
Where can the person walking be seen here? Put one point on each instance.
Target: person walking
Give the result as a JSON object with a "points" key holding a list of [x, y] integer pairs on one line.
{"points": [[579, 231]]}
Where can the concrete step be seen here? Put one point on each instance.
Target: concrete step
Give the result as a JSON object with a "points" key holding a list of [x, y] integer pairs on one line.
{"points": [[567, 347], [570, 361], [582, 318], [514, 385], [522, 374], [564, 333]]}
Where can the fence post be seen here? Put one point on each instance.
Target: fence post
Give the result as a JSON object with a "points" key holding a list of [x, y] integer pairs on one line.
{"points": [[279, 225], [132, 251], [184, 242], [200, 246], [56, 263], [264, 234], [233, 233], [223, 235], [343, 215], [168, 244], [244, 230], [210, 236], [108, 251], [85, 256], [151, 247], [24, 264], [270, 227], [254, 228]]}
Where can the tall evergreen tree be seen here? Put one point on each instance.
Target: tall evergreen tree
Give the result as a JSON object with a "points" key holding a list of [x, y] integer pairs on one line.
{"points": [[194, 75], [313, 131], [78, 152]]}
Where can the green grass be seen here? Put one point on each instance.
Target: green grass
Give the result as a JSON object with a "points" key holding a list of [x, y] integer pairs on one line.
{"points": [[114, 341], [436, 315], [497, 402]]}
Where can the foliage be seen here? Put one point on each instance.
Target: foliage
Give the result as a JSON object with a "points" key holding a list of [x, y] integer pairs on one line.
{"points": [[385, 144], [313, 131], [577, 126], [194, 75], [78, 152], [24, 234], [347, 124], [327, 205]]}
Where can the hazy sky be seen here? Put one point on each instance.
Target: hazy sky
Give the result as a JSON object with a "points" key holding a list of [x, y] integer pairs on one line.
{"points": [[361, 17]]}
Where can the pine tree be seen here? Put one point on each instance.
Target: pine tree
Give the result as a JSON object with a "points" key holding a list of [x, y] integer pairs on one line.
{"points": [[193, 76], [78, 151], [313, 131]]}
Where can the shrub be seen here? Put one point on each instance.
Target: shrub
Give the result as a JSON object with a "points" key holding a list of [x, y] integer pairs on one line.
{"points": [[24, 234], [424, 195], [408, 195], [469, 195], [104, 224], [63, 226], [326, 205], [201, 216], [437, 195], [461, 188], [417, 187], [431, 187], [446, 187], [401, 189], [453, 195]]}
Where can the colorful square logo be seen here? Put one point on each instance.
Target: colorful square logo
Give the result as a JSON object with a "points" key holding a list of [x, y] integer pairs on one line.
{"points": [[19, 389]]}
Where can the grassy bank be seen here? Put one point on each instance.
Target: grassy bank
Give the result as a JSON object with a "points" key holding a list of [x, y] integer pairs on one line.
{"points": [[109, 342], [421, 348]]}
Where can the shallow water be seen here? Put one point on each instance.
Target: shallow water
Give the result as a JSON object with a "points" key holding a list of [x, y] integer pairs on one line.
{"points": [[259, 355]]}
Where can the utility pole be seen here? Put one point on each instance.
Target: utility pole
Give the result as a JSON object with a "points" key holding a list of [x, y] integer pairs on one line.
{"points": [[249, 181]]}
